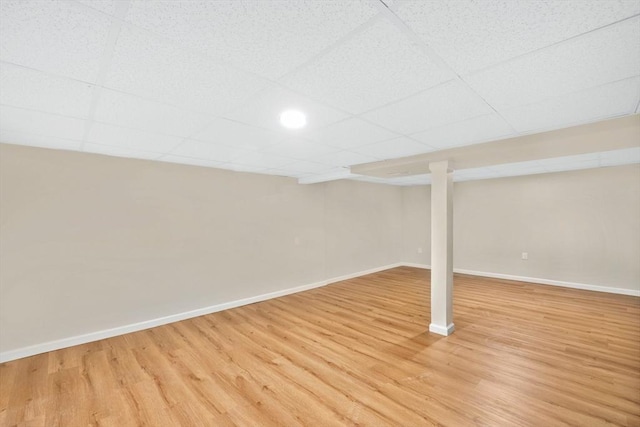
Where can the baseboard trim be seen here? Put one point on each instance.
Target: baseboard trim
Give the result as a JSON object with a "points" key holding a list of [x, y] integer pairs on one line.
{"points": [[416, 265], [536, 280], [560, 283], [135, 327], [442, 330]]}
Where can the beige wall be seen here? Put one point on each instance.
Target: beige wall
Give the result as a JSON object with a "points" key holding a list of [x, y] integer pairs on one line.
{"points": [[579, 226], [416, 219], [91, 242]]}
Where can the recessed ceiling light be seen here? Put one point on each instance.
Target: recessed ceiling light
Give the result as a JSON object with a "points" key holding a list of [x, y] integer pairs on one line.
{"points": [[293, 119]]}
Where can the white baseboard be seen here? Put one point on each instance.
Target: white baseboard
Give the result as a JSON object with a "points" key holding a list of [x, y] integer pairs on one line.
{"points": [[538, 281], [442, 330], [416, 265], [134, 327], [121, 330]]}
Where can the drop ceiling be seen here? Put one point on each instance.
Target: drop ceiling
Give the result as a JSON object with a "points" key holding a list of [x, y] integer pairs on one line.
{"points": [[204, 82]]}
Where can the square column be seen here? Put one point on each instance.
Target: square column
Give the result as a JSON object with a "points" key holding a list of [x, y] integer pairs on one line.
{"points": [[441, 248]]}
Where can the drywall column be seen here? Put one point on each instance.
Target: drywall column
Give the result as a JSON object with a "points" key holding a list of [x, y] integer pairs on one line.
{"points": [[441, 248]]}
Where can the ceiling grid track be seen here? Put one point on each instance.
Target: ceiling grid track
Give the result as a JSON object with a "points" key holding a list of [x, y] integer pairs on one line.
{"points": [[122, 7]]}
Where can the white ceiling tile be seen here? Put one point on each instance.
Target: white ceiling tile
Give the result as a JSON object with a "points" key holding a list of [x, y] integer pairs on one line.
{"points": [[208, 151], [470, 35], [375, 67], [190, 161], [265, 37], [156, 69], [240, 135], [478, 129], [106, 6], [596, 58], [394, 148], [287, 173], [242, 168], [304, 166], [345, 158], [351, 133], [34, 140], [60, 37], [131, 111], [448, 103], [262, 160], [602, 102], [620, 157], [265, 108], [119, 151], [26, 88], [339, 173], [29, 121], [131, 139], [301, 149]]}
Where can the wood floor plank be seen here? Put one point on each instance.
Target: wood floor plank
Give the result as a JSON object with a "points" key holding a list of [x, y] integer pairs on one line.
{"points": [[355, 353]]}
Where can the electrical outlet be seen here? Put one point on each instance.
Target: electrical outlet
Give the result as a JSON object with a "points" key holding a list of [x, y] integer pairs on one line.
{"points": [[525, 255]]}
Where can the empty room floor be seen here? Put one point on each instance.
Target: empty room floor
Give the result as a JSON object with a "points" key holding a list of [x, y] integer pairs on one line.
{"points": [[357, 352]]}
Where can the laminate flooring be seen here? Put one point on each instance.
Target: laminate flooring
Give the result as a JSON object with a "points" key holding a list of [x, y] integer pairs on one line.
{"points": [[357, 352]]}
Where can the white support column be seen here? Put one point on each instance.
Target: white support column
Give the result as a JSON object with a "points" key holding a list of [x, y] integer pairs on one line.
{"points": [[441, 248]]}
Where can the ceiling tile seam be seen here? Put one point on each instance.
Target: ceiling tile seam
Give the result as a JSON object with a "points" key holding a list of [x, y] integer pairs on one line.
{"points": [[293, 162], [351, 150], [567, 40], [433, 149], [37, 134], [232, 159], [261, 149], [431, 54], [432, 128], [158, 153], [573, 124], [194, 51], [105, 64], [397, 101], [47, 73], [442, 126], [417, 41], [342, 40], [93, 10], [396, 20], [35, 110], [472, 91], [573, 92], [98, 122], [113, 89]]}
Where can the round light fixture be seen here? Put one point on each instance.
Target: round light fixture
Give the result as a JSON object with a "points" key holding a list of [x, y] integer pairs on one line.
{"points": [[293, 119]]}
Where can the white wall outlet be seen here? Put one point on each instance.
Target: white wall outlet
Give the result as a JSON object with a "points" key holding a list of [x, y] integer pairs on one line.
{"points": [[525, 255], [419, 250]]}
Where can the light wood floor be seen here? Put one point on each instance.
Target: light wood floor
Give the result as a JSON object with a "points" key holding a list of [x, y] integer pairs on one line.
{"points": [[353, 353]]}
